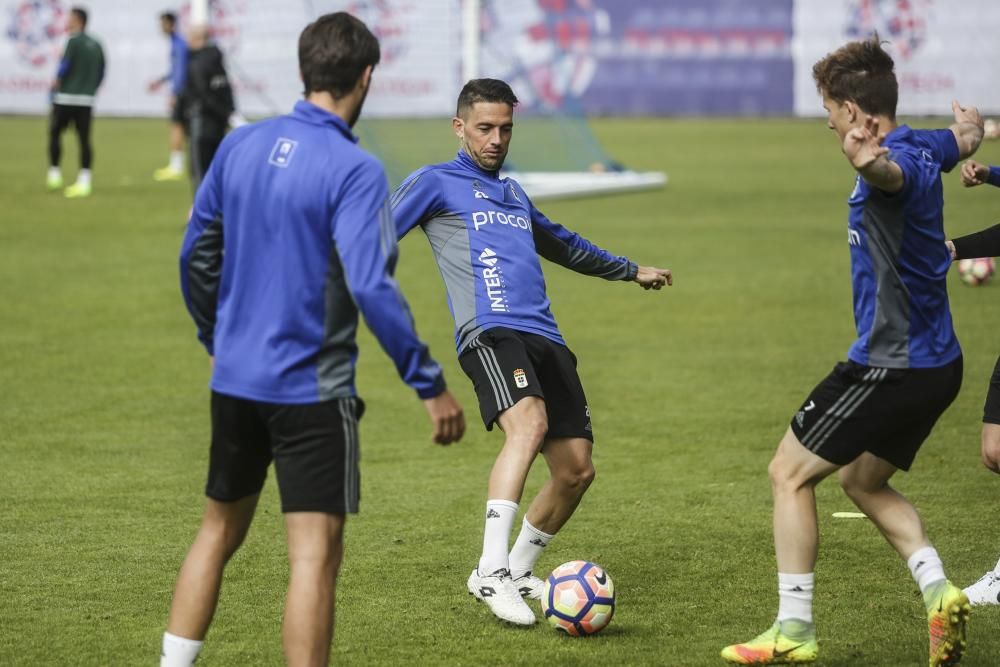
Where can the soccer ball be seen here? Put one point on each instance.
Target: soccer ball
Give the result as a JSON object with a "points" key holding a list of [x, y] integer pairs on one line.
{"points": [[976, 271], [578, 598]]}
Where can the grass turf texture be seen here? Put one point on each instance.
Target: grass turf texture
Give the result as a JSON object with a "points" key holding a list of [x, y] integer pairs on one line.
{"points": [[104, 423]]}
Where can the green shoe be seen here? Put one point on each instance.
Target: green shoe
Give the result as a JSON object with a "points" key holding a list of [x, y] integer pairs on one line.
{"points": [[947, 615], [77, 190], [54, 183], [789, 642], [168, 174]]}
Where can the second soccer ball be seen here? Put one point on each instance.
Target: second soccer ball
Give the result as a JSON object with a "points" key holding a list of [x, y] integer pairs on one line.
{"points": [[976, 271]]}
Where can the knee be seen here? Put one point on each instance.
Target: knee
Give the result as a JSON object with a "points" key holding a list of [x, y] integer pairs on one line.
{"points": [[224, 538], [857, 487], [785, 477], [531, 429], [577, 478]]}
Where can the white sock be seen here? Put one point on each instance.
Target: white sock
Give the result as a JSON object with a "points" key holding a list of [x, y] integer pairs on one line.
{"points": [[926, 568], [83, 178], [496, 536], [177, 160], [55, 172], [527, 548], [795, 596], [178, 652]]}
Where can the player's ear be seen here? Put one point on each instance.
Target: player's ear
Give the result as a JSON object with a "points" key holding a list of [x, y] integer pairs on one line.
{"points": [[852, 111], [458, 125], [366, 77]]}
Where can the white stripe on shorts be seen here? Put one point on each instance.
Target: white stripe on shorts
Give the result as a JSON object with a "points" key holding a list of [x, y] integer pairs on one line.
{"points": [[488, 358], [348, 414], [847, 406]]}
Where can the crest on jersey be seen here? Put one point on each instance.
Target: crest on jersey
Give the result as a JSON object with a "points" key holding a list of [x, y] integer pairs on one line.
{"points": [[513, 191], [520, 379], [477, 189]]}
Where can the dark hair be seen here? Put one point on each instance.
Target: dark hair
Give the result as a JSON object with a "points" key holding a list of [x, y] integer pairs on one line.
{"points": [[169, 17], [860, 72], [81, 14], [484, 90], [334, 51]]}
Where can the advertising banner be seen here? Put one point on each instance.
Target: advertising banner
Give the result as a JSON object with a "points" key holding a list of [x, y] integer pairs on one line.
{"points": [[418, 73], [644, 56], [614, 57], [943, 50]]}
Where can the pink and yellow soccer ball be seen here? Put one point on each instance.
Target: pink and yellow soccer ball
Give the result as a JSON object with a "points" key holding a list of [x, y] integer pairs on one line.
{"points": [[578, 598], [976, 271]]}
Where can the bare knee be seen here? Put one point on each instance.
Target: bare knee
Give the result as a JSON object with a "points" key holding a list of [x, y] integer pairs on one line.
{"points": [[795, 468], [526, 425], [576, 478], [222, 537]]}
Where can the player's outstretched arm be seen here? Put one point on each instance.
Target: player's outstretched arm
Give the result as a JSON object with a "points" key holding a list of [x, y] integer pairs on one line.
{"points": [[651, 277], [447, 418], [985, 243], [864, 150], [968, 129]]}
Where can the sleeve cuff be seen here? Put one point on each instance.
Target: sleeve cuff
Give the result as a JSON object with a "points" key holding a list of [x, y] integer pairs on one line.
{"points": [[994, 177], [436, 389], [632, 272]]}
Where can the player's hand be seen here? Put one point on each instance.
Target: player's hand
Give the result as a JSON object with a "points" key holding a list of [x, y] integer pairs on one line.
{"points": [[991, 447], [974, 174], [173, 101], [652, 278], [863, 145], [154, 86], [951, 249], [447, 418], [966, 114]]}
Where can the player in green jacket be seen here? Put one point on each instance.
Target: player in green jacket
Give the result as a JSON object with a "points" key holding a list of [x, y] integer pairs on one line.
{"points": [[81, 71]]}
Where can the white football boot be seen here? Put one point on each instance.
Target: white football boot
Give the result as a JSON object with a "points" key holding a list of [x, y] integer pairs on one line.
{"points": [[986, 590], [529, 586], [500, 594]]}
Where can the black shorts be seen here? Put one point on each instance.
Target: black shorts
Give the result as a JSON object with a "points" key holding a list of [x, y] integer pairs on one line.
{"points": [[506, 366], [178, 114], [314, 448], [888, 412], [991, 411]]}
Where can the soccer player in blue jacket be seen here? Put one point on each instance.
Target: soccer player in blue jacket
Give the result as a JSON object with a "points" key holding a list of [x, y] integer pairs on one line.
{"points": [[985, 243], [869, 417], [290, 237], [177, 78], [487, 237]]}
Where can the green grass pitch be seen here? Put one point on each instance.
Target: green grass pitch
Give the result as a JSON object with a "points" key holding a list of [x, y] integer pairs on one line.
{"points": [[104, 422]]}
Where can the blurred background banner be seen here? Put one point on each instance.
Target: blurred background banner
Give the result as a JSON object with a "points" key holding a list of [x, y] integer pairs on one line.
{"points": [[645, 57], [608, 57], [943, 50]]}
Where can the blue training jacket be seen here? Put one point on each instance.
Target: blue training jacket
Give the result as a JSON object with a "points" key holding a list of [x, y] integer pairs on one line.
{"points": [[487, 236], [178, 63], [899, 262], [290, 236]]}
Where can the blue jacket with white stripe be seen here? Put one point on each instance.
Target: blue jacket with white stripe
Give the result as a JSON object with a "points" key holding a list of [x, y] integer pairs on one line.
{"points": [[487, 237], [290, 236]]}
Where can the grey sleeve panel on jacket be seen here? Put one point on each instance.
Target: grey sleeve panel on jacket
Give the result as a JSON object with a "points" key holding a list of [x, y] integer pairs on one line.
{"points": [[581, 259], [204, 270], [449, 239], [889, 341], [335, 363]]}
